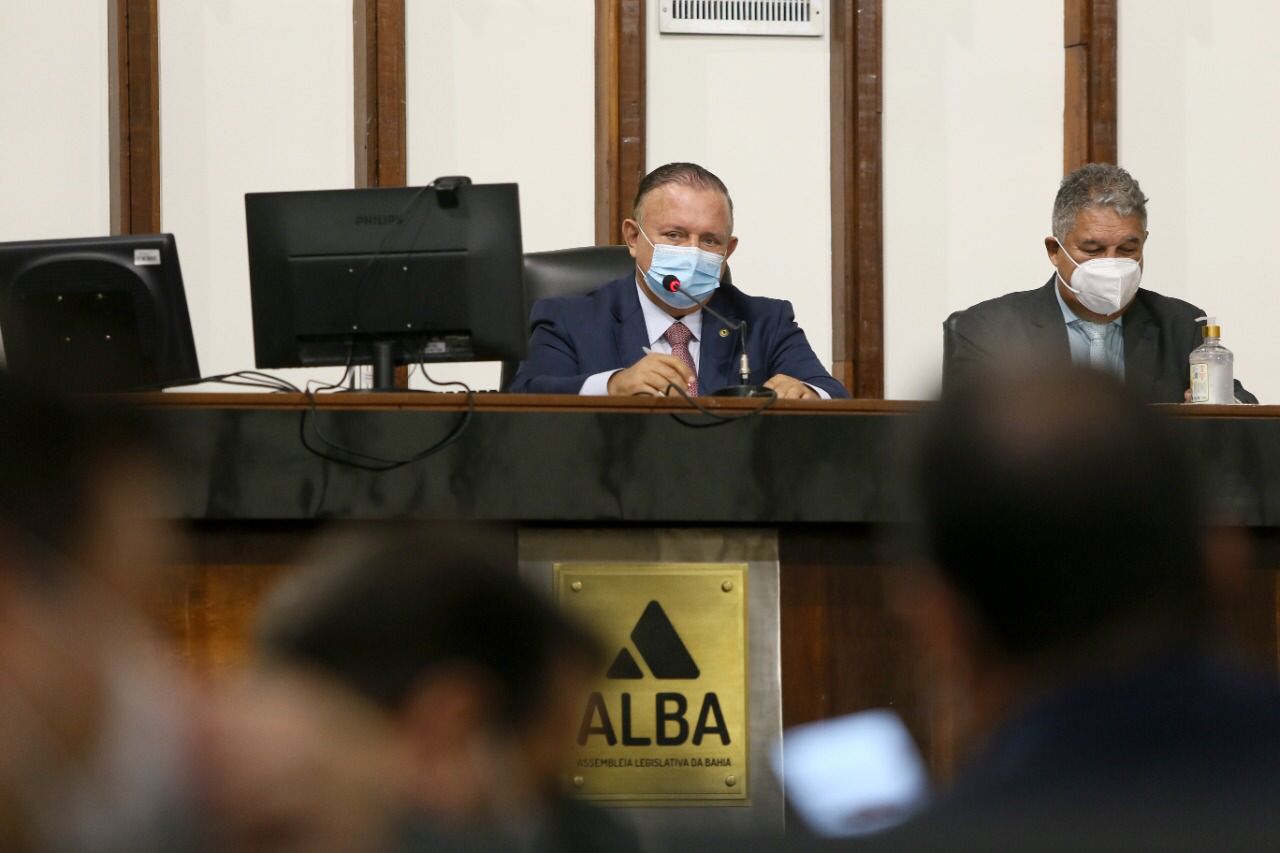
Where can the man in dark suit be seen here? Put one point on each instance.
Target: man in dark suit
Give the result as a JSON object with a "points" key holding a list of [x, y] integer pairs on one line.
{"points": [[647, 332], [1069, 590], [1091, 312]]}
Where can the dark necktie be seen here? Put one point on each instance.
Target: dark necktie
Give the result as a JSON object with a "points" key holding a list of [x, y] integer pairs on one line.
{"points": [[678, 335]]}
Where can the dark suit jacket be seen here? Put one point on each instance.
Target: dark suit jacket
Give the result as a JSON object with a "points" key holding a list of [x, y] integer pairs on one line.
{"points": [[574, 337], [1026, 330], [1154, 758]]}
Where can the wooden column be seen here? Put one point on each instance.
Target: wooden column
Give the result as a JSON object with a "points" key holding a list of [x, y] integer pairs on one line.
{"points": [[381, 112], [857, 247], [380, 94], [1089, 115], [620, 113], [134, 116]]}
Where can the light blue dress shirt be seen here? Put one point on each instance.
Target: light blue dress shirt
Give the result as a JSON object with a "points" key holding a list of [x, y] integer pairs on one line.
{"points": [[1107, 354]]}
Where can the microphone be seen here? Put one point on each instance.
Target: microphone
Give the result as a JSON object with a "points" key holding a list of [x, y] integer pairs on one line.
{"points": [[745, 389]]}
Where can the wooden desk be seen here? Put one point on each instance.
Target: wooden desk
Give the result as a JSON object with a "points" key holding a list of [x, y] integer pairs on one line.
{"points": [[828, 476]]}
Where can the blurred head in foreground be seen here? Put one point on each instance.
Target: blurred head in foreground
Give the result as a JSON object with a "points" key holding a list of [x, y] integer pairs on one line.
{"points": [[1067, 597], [483, 679], [90, 746], [1064, 530]]}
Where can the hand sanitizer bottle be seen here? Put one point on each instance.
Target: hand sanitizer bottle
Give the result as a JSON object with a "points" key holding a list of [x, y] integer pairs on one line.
{"points": [[1212, 367]]}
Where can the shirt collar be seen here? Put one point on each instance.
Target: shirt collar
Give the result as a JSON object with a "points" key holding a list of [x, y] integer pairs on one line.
{"points": [[657, 321], [1069, 317]]}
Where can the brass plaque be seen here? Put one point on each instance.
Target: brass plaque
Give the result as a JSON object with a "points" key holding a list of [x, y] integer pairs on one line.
{"points": [[667, 722]]}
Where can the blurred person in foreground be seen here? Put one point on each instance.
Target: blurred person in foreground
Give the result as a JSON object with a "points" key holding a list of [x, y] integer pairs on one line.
{"points": [[1068, 591], [483, 681], [105, 744], [95, 753]]}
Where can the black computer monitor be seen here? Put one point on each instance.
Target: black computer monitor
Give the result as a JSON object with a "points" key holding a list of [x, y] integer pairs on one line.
{"points": [[96, 314], [387, 276]]}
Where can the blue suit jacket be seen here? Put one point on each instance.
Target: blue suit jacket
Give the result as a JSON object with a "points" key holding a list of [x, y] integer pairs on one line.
{"points": [[574, 337]]}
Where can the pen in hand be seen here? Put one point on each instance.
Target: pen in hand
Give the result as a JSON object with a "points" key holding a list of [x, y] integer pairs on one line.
{"points": [[650, 351]]}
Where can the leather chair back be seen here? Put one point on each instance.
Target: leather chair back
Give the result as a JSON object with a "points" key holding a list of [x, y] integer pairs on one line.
{"points": [[570, 272]]}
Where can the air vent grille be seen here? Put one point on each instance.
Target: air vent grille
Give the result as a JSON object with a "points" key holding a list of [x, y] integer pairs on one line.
{"points": [[743, 17]]}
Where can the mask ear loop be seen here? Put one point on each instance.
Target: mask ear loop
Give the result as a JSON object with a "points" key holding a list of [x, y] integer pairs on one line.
{"points": [[640, 228], [1073, 262]]}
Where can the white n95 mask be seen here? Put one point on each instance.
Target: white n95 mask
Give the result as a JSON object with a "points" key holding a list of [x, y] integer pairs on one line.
{"points": [[1103, 285]]}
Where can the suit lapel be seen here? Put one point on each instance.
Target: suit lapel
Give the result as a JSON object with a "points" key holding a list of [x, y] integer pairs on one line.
{"points": [[1141, 347], [718, 346], [630, 334], [1048, 329]]}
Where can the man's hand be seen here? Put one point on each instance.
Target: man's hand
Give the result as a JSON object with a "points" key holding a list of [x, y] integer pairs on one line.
{"points": [[651, 375], [790, 389]]}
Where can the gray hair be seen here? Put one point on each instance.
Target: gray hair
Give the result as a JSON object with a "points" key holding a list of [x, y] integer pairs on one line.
{"points": [[1096, 185]]}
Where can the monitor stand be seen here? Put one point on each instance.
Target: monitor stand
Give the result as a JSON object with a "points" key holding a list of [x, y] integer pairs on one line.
{"points": [[384, 370]]}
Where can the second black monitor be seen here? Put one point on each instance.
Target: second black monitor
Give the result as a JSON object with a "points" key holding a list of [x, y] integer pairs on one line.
{"points": [[387, 276]]}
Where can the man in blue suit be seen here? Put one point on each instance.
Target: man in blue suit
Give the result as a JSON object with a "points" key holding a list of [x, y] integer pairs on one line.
{"points": [[648, 333]]}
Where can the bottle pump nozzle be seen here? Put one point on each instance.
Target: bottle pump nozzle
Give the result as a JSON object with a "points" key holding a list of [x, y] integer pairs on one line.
{"points": [[1211, 328]]}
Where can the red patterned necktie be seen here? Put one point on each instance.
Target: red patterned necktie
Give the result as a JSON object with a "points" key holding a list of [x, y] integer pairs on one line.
{"points": [[678, 335]]}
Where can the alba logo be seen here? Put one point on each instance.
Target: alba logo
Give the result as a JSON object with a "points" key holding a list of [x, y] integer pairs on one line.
{"points": [[660, 646], [667, 658]]}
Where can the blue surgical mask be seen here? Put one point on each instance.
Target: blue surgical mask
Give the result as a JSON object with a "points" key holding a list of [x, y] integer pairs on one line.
{"points": [[697, 271]]}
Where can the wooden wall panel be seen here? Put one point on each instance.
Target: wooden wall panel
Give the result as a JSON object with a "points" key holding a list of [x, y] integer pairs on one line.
{"points": [[844, 649], [380, 105], [381, 111], [857, 228], [1090, 106], [134, 116], [620, 113], [230, 570]]}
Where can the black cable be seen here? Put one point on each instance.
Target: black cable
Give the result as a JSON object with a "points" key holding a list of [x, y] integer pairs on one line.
{"points": [[717, 419], [243, 378], [341, 384], [365, 282], [422, 368], [341, 454], [380, 464], [380, 253], [367, 461]]}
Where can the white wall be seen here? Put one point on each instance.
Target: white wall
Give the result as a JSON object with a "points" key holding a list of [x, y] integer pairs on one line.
{"points": [[254, 96], [757, 112], [257, 96], [54, 165], [973, 101], [54, 177], [1200, 129], [504, 90]]}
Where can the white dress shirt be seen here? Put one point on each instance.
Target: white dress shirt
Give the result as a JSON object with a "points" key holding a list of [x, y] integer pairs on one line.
{"points": [[656, 323]]}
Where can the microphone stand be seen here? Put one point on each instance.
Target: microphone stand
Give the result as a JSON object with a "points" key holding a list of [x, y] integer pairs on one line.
{"points": [[744, 388]]}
